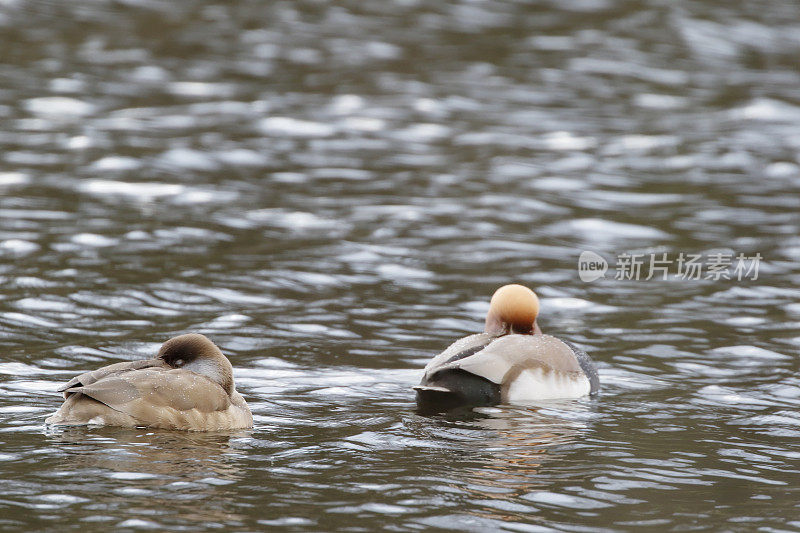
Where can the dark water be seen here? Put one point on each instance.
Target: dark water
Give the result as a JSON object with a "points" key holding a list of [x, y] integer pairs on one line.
{"points": [[332, 191]]}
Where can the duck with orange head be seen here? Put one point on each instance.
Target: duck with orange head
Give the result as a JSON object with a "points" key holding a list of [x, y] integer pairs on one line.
{"points": [[512, 361]]}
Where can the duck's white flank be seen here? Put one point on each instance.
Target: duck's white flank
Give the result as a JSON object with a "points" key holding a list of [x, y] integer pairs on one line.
{"points": [[543, 384]]}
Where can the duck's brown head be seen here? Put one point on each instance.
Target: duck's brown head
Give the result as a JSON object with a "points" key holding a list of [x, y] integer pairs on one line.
{"points": [[197, 353], [513, 309]]}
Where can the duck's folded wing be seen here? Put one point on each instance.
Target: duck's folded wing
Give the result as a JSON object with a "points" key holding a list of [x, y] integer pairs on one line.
{"points": [[157, 395], [88, 378], [511, 354], [460, 349]]}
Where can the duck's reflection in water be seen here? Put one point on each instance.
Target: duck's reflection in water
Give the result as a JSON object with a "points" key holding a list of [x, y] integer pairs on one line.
{"points": [[516, 456], [153, 473]]}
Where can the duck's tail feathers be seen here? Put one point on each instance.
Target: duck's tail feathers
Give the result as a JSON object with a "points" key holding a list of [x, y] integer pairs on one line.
{"points": [[431, 388], [435, 399], [433, 394]]}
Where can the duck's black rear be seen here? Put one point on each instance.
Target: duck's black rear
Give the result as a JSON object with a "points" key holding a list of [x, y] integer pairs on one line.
{"points": [[455, 388]]}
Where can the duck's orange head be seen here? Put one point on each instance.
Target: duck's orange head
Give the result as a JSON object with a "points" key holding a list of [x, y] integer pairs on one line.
{"points": [[513, 309]]}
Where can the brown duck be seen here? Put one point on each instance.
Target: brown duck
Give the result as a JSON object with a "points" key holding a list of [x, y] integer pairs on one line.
{"points": [[188, 386], [512, 361]]}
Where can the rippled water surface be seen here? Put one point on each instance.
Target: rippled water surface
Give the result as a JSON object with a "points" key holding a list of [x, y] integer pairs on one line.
{"points": [[332, 190]]}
